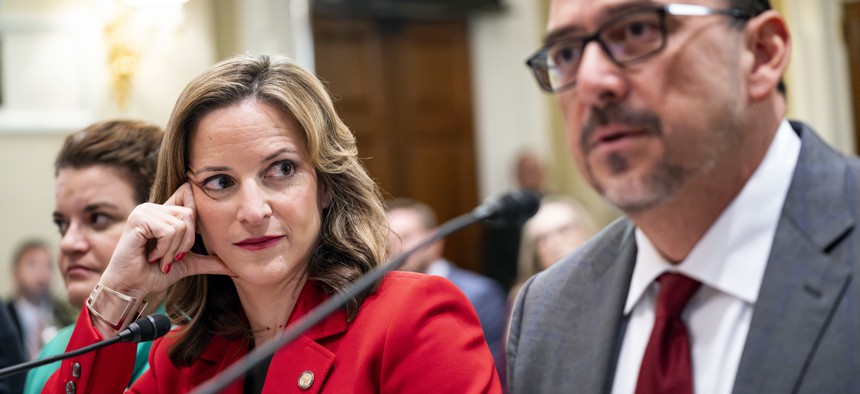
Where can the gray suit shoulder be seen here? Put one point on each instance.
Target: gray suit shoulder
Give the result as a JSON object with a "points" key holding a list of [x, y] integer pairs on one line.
{"points": [[565, 322]]}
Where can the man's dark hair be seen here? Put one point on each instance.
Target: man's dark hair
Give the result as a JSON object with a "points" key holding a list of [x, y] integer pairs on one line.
{"points": [[755, 7]]}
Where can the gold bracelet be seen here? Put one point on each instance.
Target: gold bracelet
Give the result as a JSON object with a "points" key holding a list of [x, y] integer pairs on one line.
{"points": [[98, 300]]}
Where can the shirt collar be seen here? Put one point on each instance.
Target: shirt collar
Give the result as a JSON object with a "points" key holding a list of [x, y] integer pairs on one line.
{"points": [[732, 255]]}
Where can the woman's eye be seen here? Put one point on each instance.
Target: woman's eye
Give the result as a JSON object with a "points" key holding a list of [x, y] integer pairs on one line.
{"points": [[281, 169], [100, 221], [218, 183], [62, 226]]}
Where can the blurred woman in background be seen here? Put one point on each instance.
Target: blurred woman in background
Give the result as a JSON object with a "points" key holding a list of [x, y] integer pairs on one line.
{"points": [[560, 226], [103, 172]]}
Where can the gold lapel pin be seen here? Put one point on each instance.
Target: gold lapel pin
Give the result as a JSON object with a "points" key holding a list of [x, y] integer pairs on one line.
{"points": [[306, 379]]}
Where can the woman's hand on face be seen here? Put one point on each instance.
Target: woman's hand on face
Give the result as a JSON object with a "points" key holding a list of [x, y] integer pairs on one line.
{"points": [[154, 249]]}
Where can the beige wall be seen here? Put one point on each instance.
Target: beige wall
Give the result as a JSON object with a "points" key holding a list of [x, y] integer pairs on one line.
{"points": [[510, 111], [818, 78], [27, 163], [55, 81]]}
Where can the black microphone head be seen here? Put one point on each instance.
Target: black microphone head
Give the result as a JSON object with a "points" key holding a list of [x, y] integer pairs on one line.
{"points": [[146, 329], [512, 208]]}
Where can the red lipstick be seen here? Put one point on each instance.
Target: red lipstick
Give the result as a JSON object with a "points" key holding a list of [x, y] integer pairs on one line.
{"points": [[258, 243]]}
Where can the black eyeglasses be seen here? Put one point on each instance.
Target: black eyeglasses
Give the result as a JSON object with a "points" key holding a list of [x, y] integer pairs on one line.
{"points": [[630, 37]]}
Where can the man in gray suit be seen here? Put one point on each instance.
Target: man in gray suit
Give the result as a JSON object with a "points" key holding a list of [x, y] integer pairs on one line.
{"points": [[675, 113]]}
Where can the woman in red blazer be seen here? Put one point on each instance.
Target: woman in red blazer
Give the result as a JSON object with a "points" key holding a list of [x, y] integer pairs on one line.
{"points": [[266, 212]]}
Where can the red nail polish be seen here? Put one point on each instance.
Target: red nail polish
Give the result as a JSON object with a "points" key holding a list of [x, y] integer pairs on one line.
{"points": [[167, 268], [179, 256], [154, 261]]}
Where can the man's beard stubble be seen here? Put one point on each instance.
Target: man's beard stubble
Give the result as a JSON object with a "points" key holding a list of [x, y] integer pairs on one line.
{"points": [[632, 194]]}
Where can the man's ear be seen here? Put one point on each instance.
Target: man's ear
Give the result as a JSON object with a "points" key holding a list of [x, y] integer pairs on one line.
{"points": [[769, 43]]}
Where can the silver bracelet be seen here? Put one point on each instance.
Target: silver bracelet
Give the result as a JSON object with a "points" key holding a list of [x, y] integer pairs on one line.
{"points": [[103, 296]]}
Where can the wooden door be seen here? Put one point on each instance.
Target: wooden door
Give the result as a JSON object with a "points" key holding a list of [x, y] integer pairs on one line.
{"points": [[852, 39], [403, 88]]}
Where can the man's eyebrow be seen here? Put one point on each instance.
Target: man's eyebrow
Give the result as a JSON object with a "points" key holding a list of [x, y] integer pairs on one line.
{"points": [[561, 34], [565, 32]]}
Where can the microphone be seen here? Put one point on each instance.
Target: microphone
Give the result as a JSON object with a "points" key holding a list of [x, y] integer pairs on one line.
{"points": [[145, 329], [513, 207]]}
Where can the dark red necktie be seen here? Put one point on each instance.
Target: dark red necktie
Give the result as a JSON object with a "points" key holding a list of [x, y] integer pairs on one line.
{"points": [[666, 366]]}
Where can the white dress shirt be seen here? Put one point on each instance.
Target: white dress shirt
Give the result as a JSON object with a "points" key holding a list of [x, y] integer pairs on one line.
{"points": [[729, 261], [34, 319]]}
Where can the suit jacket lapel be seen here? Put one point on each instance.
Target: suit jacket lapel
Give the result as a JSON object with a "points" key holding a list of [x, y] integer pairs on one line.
{"points": [[300, 357], [802, 282], [598, 321], [218, 355], [293, 362], [304, 361]]}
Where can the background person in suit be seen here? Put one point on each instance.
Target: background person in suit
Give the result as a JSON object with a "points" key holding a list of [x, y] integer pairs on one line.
{"points": [[11, 353], [37, 314], [675, 114], [411, 222]]}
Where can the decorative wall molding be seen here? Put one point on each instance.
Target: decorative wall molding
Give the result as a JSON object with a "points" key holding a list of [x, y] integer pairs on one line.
{"points": [[48, 65]]}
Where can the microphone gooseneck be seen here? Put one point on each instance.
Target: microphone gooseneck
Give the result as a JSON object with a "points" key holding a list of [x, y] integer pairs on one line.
{"points": [[145, 329], [513, 207]]}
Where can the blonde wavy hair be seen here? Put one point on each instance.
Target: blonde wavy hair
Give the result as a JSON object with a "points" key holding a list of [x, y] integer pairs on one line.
{"points": [[354, 234]]}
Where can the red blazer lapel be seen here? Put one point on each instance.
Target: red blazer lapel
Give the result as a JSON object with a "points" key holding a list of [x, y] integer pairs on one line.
{"points": [[300, 367], [303, 365], [218, 355]]}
